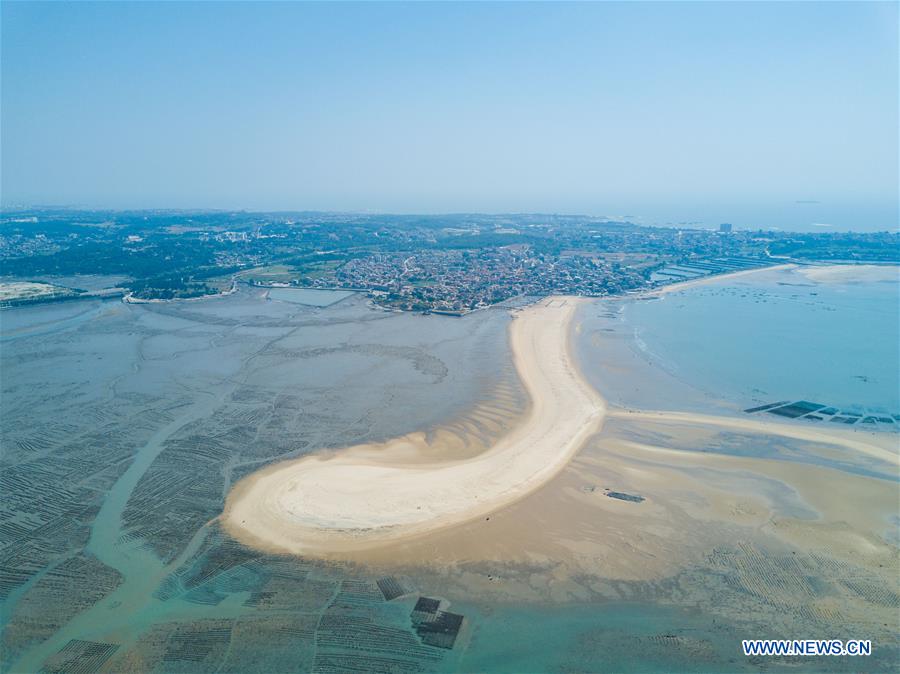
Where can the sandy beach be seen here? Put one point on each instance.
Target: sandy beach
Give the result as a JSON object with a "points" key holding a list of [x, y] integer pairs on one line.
{"points": [[852, 273], [368, 495], [538, 492], [881, 446], [704, 280]]}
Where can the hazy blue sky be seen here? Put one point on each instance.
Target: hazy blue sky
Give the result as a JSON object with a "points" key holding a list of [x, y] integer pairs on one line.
{"points": [[668, 112]]}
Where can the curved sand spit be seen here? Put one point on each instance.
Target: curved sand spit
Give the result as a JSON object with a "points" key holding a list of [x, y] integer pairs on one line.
{"points": [[361, 497]]}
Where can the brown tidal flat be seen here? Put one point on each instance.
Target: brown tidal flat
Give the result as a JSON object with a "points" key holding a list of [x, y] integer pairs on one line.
{"points": [[370, 495], [653, 494]]}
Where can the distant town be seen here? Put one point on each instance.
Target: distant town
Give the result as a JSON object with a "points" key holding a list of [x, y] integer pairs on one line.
{"points": [[449, 263]]}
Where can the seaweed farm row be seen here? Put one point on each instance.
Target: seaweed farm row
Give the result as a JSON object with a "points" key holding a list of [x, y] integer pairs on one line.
{"points": [[304, 616], [688, 271], [804, 409], [54, 477], [126, 431], [346, 624], [300, 616]]}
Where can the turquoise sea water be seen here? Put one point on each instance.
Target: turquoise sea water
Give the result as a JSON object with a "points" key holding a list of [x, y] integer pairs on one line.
{"points": [[778, 336]]}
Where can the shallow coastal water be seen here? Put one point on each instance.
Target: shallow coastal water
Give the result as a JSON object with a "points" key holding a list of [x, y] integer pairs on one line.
{"points": [[126, 425], [309, 296], [762, 338]]}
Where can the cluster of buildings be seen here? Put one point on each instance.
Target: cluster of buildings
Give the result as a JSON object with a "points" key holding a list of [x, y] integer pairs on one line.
{"points": [[456, 281]]}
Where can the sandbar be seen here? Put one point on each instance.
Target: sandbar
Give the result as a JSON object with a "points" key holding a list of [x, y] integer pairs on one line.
{"points": [[712, 278], [882, 446], [370, 495], [852, 273]]}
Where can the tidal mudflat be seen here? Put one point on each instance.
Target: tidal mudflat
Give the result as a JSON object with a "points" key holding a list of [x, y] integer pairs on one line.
{"points": [[371, 494], [681, 528], [125, 426]]}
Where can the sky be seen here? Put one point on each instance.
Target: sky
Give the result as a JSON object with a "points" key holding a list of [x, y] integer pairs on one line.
{"points": [[760, 114]]}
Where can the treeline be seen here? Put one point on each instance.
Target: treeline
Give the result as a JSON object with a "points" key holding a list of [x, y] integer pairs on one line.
{"points": [[112, 258], [170, 286], [874, 247]]}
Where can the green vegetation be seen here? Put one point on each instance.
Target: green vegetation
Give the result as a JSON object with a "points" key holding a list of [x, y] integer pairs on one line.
{"points": [[451, 262], [879, 247]]}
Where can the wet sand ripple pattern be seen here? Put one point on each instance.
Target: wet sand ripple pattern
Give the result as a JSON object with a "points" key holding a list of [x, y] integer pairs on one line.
{"points": [[374, 493]]}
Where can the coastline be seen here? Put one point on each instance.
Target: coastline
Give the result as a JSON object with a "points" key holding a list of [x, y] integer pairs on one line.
{"points": [[878, 446], [129, 297], [479, 508], [684, 285], [732, 520], [821, 272], [370, 495]]}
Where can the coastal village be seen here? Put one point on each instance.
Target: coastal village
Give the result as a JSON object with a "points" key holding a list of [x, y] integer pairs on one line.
{"points": [[449, 264]]}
